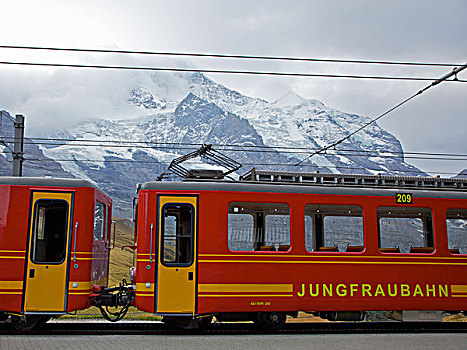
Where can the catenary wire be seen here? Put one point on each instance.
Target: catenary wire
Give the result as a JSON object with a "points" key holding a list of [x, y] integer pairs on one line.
{"points": [[272, 151], [275, 73], [6, 145], [266, 149], [213, 55], [151, 144], [434, 83], [246, 164], [359, 155], [223, 71], [353, 153]]}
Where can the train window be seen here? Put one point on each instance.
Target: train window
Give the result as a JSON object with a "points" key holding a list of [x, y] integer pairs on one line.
{"points": [[241, 227], [106, 222], [333, 228], [50, 231], [258, 227], [405, 230], [177, 234], [456, 222], [98, 221]]}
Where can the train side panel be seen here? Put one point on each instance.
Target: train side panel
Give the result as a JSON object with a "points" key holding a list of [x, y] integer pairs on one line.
{"points": [[146, 262], [14, 221], [49, 278], [89, 259], [261, 281], [298, 279]]}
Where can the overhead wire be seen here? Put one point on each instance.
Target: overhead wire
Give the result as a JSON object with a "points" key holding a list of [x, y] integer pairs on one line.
{"points": [[214, 55], [363, 154], [222, 71], [445, 78], [267, 149], [366, 156], [245, 164], [6, 145], [434, 83], [224, 146]]}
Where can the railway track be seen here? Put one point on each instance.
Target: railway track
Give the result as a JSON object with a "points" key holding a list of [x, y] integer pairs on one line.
{"points": [[156, 328]]}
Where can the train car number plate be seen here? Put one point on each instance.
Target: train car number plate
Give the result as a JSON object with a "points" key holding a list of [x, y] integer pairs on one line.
{"points": [[404, 198]]}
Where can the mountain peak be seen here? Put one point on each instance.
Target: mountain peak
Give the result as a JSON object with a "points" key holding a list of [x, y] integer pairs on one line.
{"points": [[142, 97], [290, 99]]}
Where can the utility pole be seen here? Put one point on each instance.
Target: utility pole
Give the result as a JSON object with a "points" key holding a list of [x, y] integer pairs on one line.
{"points": [[18, 146]]}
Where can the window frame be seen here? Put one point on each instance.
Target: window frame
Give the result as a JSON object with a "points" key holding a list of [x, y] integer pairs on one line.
{"points": [[328, 206], [427, 230], [269, 204], [447, 232], [162, 234], [102, 223], [106, 222], [34, 232]]}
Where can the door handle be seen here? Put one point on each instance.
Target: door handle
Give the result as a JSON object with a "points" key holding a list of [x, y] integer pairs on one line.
{"points": [[32, 272], [190, 276], [74, 242], [150, 244]]}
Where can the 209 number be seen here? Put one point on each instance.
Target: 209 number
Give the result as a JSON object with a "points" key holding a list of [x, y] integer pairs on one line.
{"points": [[404, 198]]}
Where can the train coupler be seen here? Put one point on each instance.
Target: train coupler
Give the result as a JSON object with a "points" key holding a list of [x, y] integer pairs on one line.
{"points": [[114, 302]]}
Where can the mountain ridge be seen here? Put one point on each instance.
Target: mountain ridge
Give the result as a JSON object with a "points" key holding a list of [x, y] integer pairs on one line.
{"points": [[175, 113]]}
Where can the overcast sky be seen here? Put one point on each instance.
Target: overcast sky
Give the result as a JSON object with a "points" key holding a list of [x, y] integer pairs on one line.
{"points": [[429, 31]]}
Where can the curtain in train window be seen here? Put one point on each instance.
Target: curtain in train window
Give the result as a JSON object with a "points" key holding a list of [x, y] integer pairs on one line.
{"points": [[333, 228], [258, 227], [50, 229], [405, 230], [456, 222], [177, 234]]}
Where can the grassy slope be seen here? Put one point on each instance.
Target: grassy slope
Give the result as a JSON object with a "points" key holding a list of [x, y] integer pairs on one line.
{"points": [[121, 259]]}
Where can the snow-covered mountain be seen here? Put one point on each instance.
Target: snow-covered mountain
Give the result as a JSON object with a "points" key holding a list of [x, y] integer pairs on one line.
{"points": [[173, 111]]}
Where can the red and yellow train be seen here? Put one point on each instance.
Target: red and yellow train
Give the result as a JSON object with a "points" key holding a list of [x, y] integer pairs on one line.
{"points": [[258, 249], [54, 247], [335, 245]]}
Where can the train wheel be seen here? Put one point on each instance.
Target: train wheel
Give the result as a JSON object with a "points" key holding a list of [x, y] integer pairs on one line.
{"points": [[25, 323], [270, 321]]}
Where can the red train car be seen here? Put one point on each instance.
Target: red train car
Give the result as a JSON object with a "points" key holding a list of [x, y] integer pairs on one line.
{"points": [[54, 247], [338, 246]]}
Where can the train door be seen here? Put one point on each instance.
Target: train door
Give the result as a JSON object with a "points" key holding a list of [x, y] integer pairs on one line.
{"points": [[176, 273], [49, 244]]}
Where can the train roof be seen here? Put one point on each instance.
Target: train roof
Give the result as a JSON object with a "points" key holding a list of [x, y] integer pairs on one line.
{"points": [[313, 183], [47, 182], [234, 186]]}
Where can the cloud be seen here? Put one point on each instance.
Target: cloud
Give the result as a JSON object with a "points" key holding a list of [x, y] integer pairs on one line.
{"points": [[56, 99], [414, 30]]}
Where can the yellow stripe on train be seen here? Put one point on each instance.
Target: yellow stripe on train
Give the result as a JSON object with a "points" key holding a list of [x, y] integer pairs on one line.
{"points": [[458, 289], [11, 284], [245, 288]]}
